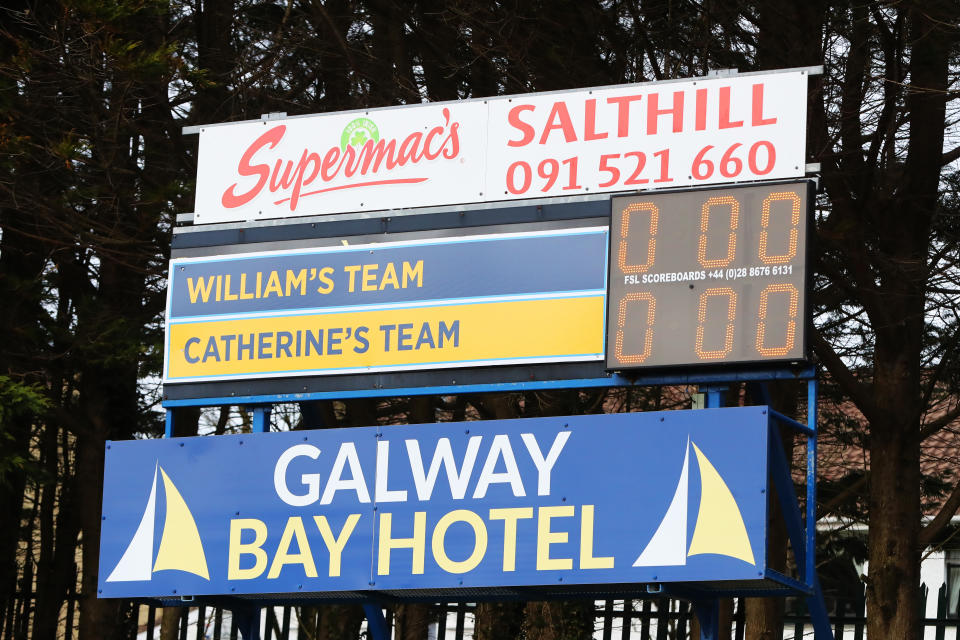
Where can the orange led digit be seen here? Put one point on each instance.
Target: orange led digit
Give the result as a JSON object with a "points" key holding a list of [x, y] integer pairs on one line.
{"points": [[731, 239], [654, 212], [715, 354], [794, 223], [648, 329], [770, 352], [709, 277]]}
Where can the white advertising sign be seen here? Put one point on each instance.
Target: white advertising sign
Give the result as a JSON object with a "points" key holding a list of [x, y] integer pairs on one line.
{"points": [[623, 138]]}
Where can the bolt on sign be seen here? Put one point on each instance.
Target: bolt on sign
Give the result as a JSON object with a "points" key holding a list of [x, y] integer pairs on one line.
{"points": [[622, 138], [492, 504]]}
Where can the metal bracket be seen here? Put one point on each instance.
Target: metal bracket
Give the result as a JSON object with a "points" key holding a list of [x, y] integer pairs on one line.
{"points": [[713, 395], [376, 622], [247, 619], [708, 615], [261, 418]]}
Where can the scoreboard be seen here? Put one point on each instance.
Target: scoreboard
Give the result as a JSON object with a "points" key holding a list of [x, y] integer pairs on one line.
{"points": [[711, 276]]}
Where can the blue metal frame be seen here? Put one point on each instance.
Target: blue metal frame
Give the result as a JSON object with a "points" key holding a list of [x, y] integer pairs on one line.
{"points": [[803, 535], [444, 390], [376, 622], [708, 615], [801, 531], [613, 380], [247, 618], [801, 528], [261, 418]]}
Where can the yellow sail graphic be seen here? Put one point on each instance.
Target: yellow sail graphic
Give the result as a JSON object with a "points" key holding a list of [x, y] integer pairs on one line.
{"points": [[720, 528], [180, 546]]}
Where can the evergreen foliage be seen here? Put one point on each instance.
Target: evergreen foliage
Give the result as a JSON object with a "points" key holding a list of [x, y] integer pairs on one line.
{"points": [[93, 167]]}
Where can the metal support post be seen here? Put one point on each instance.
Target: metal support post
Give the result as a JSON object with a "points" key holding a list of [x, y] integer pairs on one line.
{"points": [[247, 620], [168, 424], [786, 495], [708, 615], [819, 617], [815, 602], [708, 611], [802, 534], [811, 570], [376, 622], [261, 418], [713, 394]]}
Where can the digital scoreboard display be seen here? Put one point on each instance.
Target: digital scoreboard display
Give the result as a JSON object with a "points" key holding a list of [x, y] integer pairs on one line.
{"points": [[711, 276]]}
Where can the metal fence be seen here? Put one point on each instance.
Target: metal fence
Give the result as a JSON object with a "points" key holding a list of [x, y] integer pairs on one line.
{"points": [[647, 619]]}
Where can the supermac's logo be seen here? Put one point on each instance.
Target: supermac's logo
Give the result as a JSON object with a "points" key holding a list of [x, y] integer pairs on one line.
{"points": [[180, 547], [363, 158]]}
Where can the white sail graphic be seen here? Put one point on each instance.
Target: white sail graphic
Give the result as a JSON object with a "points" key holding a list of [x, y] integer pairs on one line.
{"points": [[137, 560], [668, 546]]}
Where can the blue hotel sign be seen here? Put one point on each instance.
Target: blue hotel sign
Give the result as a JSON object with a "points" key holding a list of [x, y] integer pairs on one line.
{"points": [[582, 500]]}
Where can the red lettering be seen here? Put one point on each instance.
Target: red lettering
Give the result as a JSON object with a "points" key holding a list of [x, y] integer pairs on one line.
{"points": [[590, 122], [308, 159], [330, 160], [623, 113], [513, 117], [272, 138], [559, 118], [285, 180], [428, 153], [377, 153], [725, 122], [337, 163], [701, 111], [410, 149], [654, 112], [347, 160], [454, 140], [351, 160], [757, 118]]}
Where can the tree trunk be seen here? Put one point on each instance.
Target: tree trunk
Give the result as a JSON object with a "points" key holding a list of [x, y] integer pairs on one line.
{"points": [[21, 263], [12, 488], [340, 622], [764, 616], [56, 568], [563, 620], [498, 620], [99, 619], [893, 587], [170, 623], [412, 621], [217, 99]]}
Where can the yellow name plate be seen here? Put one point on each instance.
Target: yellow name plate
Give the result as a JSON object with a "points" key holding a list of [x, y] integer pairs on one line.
{"points": [[426, 337]]}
